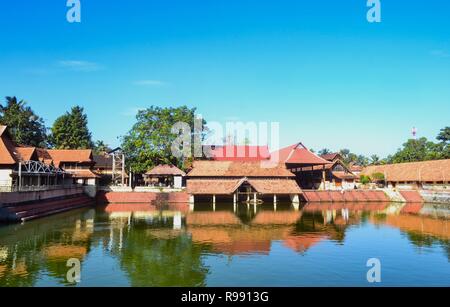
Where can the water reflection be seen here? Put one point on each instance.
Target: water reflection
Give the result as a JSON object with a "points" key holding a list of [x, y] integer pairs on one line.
{"points": [[181, 245]]}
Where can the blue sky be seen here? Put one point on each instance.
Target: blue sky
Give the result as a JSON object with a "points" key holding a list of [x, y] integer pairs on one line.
{"points": [[318, 67]]}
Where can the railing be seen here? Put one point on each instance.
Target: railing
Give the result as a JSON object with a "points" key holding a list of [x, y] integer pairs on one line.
{"points": [[9, 188]]}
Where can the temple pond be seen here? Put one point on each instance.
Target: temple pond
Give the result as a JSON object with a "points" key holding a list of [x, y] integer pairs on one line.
{"points": [[266, 245]]}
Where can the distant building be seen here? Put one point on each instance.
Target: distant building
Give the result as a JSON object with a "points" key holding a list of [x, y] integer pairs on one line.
{"points": [[414, 175], [165, 176], [337, 174], [104, 168]]}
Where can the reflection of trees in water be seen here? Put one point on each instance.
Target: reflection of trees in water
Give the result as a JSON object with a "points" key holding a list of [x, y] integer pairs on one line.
{"points": [[422, 240], [151, 261], [42, 245]]}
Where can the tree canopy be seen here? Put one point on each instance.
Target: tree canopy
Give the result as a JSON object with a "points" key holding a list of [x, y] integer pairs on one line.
{"points": [[70, 131], [150, 140], [25, 127]]}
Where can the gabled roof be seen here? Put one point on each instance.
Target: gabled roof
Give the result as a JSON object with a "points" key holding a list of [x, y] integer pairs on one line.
{"points": [[165, 170], [427, 171], [331, 156], [67, 155], [6, 147], [298, 154], [238, 153], [25, 153], [229, 186], [237, 169]]}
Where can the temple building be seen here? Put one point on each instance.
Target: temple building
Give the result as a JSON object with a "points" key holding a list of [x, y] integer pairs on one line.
{"points": [[29, 168], [337, 174], [165, 176], [432, 175], [251, 182], [309, 169]]}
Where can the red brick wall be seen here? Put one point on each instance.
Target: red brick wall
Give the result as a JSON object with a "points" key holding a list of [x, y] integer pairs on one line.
{"points": [[348, 196], [412, 196], [141, 197]]}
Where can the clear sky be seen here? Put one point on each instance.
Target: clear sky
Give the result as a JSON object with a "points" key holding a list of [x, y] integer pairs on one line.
{"points": [[318, 67]]}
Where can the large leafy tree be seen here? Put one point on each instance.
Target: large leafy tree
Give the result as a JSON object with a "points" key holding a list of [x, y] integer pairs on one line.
{"points": [[444, 135], [418, 150], [70, 131], [25, 127], [150, 140]]}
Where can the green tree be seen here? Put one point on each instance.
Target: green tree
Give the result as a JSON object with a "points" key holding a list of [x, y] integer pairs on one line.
{"points": [[101, 147], [375, 160], [70, 131], [444, 135], [324, 151], [150, 140], [417, 150], [25, 127]]}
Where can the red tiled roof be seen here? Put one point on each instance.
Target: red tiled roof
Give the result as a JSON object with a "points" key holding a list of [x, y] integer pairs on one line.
{"points": [[344, 175], [6, 147], [239, 153], [83, 174], [213, 186], [275, 186], [237, 169], [24, 153], [331, 156], [67, 155], [427, 171], [229, 186], [164, 170], [298, 154]]}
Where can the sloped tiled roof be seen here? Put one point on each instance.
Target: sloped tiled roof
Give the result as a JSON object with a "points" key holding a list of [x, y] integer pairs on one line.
{"points": [[212, 186], [25, 153], [237, 169], [275, 186], [165, 170], [427, 171], [6, 147], [67, 155], [331, 156], [298, 154]]}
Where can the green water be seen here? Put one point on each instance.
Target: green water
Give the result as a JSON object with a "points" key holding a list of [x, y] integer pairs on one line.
{"points": [[314, 245]]}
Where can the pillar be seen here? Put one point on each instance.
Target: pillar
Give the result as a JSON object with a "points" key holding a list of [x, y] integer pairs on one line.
{"points": [[275, 199], [191, 199], [254, 198]]}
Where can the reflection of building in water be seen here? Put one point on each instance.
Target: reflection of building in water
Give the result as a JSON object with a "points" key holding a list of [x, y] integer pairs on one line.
{"points": [[417, 223]]}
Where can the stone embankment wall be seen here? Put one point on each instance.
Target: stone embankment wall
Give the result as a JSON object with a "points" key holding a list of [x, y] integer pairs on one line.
{"points": [[22, 197]]}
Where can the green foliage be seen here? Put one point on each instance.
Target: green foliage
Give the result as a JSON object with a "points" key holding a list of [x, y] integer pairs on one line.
{"points": [[324, 151], [420, 150], [25, 127], [364, 179], [149, 141], [378, 177], [101, 147], [444, 135], [70, 131]]}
